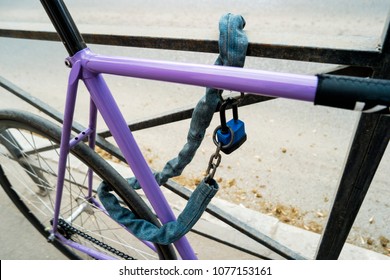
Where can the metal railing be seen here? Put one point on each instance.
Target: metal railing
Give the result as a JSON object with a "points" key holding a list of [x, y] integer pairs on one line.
{"points": [[369, 144]]}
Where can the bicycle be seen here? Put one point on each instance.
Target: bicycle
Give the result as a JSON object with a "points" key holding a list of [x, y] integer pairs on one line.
{"points": [[84, 65]]}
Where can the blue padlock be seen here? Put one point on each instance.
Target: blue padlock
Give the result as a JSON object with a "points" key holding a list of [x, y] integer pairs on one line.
{"points": [[230, 135]]}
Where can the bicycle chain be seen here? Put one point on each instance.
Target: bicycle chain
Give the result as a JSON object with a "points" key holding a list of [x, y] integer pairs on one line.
{"points": [[70, 230]]}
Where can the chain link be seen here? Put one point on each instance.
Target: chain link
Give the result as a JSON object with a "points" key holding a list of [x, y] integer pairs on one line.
{"points": [[216, 157], [214, 162], [70, 230]]}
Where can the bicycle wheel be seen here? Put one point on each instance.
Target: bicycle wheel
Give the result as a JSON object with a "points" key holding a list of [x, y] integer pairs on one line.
{"points": [[29, 149]]}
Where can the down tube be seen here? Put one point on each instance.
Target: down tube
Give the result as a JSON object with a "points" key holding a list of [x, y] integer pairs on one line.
{"points": [[114, 119]]}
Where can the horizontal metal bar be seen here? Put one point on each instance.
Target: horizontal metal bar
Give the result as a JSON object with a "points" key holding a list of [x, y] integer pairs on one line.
{"points": [[27, 97], [369, 58], [316, 54], [181, 114], [27, 34]]}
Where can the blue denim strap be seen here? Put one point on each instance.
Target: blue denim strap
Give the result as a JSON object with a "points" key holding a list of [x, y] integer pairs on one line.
{"points": [[233, 45], [169, 232]]}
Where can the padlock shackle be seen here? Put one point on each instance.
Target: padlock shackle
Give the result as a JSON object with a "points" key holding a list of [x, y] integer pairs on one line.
{"points": [[222, 116], [235, 111], [222, 113]]}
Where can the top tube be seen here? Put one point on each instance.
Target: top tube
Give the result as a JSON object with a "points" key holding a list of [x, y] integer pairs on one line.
{"points": [[285, 85], [65, 26]]}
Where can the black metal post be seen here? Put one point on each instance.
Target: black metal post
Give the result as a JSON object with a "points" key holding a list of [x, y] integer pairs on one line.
{"points": [[369, 144]]}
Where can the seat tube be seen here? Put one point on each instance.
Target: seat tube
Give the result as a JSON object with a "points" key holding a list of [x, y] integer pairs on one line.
{"points": [[65, 26], [91, 140]]}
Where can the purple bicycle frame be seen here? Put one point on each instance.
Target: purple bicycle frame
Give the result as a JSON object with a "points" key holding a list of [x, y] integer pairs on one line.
{"points": [[88, 67]]}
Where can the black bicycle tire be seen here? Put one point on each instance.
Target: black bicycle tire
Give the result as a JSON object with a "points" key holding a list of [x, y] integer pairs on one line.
{"points": [[35, 123]]}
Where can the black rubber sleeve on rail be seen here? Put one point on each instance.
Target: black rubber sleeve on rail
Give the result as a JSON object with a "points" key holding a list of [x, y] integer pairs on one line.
{"points": [[352, 92]]}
